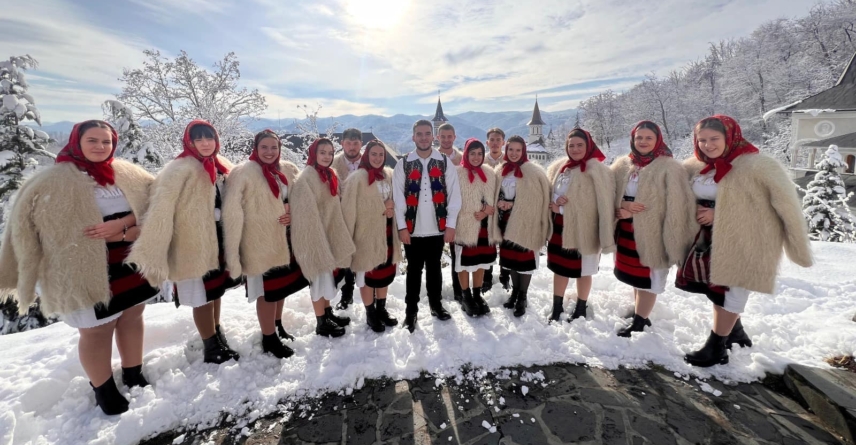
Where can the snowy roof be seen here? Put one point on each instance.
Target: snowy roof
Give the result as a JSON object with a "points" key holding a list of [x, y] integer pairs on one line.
{"points": [[841, 96], [438, 115], [536, 116], [843, 141], [535, 148]]}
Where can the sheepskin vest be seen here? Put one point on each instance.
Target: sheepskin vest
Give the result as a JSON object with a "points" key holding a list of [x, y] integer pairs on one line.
{"points": [[255, 241], [666, 228], [413, 185], [757, 215], [44, 242], [178, 240], [529, 223], [363, 209], [473, 196], [589, 214], [319, 236]]}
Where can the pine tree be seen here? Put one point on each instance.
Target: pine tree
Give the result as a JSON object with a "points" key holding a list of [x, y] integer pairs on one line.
{"points": [[132, 144], [20, 145], [825, 202]]}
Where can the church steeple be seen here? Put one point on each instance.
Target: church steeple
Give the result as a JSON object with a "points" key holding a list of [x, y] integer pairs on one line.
{"points": [[535, 124], [439, 119]]}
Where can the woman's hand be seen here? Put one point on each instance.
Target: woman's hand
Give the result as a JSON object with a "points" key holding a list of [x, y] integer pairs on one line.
{"points": [[505, 205], [390, 208], [488, 210], [285, 218], [562, 201], [106, 230], [480, 215], [632, 207], [554, 207], [704, 215], [130, 235], [623, 214]]}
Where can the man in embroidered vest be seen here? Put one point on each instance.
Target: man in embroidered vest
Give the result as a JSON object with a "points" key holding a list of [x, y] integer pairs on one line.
{"points": [[345, 163], [495, 142], [427, 200]]}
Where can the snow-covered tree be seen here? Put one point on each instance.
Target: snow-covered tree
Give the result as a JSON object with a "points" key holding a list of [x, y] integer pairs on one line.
{"points": [[132, 142], [825, 202], [307, 131], [21, 146], [170, 93]]}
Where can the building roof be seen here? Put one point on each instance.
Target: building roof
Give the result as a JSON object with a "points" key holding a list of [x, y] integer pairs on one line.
{"points": [[840, 97], [843, 141], [536, 116], [535, 148], [438, 115]]}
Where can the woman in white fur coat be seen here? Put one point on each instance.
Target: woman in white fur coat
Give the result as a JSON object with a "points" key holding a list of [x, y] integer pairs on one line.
{"points": [[476, 235], [182, 238], [583, 219], [748, 213], [370, 217], [69, 230], [656, 218], [256, 220], [322, 243], [523, 219]]}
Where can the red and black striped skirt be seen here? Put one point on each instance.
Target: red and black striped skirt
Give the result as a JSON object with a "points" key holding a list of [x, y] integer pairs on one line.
{"points": [[282, 281], [128, 288], [513, 256], [694, 275], [563, 262], [628, 268], [383, 275], [482, 253]]}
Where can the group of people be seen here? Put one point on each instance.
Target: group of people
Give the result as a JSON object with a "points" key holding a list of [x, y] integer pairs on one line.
{"points": [[94, 237]]}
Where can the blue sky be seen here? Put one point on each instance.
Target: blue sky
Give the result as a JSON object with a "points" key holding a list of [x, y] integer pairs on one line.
{"points": [[376, 56]]}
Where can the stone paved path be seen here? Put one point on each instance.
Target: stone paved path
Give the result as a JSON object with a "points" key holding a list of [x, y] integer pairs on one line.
{"points": [[560, 404]]}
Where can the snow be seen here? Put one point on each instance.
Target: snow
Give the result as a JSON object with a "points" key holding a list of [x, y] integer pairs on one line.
{"points": [[46, 399], [814, 112], [770, 113]]}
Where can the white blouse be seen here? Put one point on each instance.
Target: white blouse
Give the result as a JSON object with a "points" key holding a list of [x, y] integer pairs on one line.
{"points": [[111, 200], [632, 184], [704, 186], [560, 187], [509, 187]]}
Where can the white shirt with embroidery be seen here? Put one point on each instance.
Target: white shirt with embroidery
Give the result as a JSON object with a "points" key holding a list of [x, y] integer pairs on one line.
{"points": [[426, 220]]}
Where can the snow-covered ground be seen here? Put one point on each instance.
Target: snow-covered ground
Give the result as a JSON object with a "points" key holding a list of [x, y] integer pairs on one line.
{"points": [[46, 399]]}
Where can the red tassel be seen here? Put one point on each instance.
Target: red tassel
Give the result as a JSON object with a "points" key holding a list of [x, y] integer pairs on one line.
{"points": [[410, 226], [435, 173], [412, 201], [439, 198], [441, 224], [415, 175]]}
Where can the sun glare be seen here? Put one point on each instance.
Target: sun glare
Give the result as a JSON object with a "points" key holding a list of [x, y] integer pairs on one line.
{"points": [[377, 13]]}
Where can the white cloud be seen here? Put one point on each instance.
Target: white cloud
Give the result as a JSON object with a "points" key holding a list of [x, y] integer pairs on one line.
{"points": [[177, 10]]}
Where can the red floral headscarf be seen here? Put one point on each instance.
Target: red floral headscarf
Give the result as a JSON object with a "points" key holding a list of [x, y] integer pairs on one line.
{"points": [[212, 163], [473, 170], [375, 174], [270, 171], [660, 147], [735, 146], [592, 151], [101, 172], [509, 166], [327, 174]]}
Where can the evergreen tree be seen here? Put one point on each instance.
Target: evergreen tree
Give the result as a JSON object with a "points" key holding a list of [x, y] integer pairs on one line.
{"points": [[825, 202], [132, 145]]}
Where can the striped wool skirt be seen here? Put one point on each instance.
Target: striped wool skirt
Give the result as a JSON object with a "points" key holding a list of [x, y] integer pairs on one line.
{"points": [[512, 256], [694, 275], [628, 268], [383, 275], [480, 256], [564, 262], [279, 282]]}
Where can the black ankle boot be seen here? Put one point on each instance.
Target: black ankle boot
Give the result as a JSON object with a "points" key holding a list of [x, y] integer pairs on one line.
{"points": [[638, 325], [222, 337], [480, 303], [468, 304], [214, 351], [133, 376], [712, 353], [487, 284], [520, 305], [283, 334], [347, 297], [108, 397], [341, 321], [327, 328], [738, 336], [410, 320], [558, 301], [579, 310], [437, 310], [372, 319], [273, 345], [383, 315], [512, 300], [505, 279]]}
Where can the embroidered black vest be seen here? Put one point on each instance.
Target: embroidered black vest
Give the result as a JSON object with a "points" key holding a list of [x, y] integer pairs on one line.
{"points": [[413, 184]]}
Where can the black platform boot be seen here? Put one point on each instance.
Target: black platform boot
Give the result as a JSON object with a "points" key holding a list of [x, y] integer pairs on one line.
{"points": [[712, 353], [558, 301], [372, 319], [341, 321], [108, 397], [638, 325], [214, 351], [480, 303], [383, 315], [273, 345], [520, 305], [133, 376], [738, 336], [512, 300], [579, 310], [283, 334], [327, 328]]}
